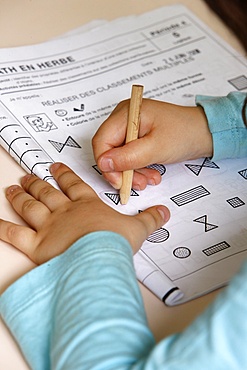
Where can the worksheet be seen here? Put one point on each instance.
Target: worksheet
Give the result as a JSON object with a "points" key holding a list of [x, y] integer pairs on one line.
{"points": [[54, 96]]}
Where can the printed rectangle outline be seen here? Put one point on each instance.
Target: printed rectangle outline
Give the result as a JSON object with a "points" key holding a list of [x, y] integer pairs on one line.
{"points": [[204, 193]]}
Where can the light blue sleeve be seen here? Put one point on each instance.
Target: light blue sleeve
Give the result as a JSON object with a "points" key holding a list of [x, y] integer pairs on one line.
{"points": [[80, 310], [224, 115], [83, 310]]}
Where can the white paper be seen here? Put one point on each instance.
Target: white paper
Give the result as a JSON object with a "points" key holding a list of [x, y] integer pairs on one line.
{"points": [[55, 95]]}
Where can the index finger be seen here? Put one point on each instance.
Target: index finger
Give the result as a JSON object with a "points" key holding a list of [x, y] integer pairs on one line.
{"points": [[111, 134], [71, 184]]}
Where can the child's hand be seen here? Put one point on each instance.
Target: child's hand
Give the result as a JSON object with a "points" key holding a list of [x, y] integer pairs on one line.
{"points": [[168, 133], [57, 219]]}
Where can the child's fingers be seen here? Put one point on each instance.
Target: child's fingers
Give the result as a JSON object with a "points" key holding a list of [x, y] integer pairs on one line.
{"points": [[154, 218], [151, 219], [141, 178], [71, 184], [43, 191], [31, 210], [21, 237], [131, 156], [112, 132], [151, 175]]}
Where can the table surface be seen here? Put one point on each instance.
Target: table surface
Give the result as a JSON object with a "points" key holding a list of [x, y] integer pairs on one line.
{"points": [[24, 22]]}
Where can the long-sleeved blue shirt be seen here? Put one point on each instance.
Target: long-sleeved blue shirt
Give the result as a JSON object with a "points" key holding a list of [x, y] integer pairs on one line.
{"points": [[83, 309]]}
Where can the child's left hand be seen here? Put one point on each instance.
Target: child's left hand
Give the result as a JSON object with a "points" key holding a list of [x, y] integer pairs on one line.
{"points": [[57, 219]]}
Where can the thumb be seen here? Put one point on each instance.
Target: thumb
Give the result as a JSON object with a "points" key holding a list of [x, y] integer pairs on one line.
{"points": [[134, 155], [150, 220]]}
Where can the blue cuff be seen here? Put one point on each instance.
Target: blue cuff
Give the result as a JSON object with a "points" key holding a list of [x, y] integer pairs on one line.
{"points": [[224, 115]]}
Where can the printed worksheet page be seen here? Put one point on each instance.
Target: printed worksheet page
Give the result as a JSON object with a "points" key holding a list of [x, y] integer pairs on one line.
{"points": [[55, 95]]}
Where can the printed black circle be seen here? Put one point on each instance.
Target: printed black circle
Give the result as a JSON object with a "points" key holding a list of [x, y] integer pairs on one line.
{"points": [[159, 236], [182, 252]]}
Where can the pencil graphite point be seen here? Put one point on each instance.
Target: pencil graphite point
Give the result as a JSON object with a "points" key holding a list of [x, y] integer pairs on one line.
{"points": [[131, 134]]}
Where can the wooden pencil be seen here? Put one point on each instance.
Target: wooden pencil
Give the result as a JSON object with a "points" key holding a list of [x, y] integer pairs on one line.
{"points": [[131, 134]]}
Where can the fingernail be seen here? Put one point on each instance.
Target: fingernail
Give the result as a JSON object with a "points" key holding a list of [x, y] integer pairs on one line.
{"points": [[53, 168], [25, 179], [106, 164], [137, 187], [11, 189], [151, 182], [165, 213], [116, 185], [116, 181]]}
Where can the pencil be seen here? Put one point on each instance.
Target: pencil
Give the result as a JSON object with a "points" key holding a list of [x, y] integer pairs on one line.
{"points": [[131, 134]]}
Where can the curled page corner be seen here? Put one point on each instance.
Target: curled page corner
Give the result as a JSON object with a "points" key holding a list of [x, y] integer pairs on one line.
{"points": [[173, 297], [156, 281], [24, 149]]}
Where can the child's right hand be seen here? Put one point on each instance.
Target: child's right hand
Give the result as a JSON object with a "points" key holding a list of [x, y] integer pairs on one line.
{"points": [[168, 133]]}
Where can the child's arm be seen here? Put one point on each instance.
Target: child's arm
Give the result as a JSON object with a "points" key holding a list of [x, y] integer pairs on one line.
{"points": [[168, 134], [42, 309]]}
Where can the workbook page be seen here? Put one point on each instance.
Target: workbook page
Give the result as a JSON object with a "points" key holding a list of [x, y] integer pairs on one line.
{"points": [[55, 95]]}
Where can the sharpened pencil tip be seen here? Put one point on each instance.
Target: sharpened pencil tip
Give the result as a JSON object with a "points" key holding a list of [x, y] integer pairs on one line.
{"points": [[124, 198]]}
